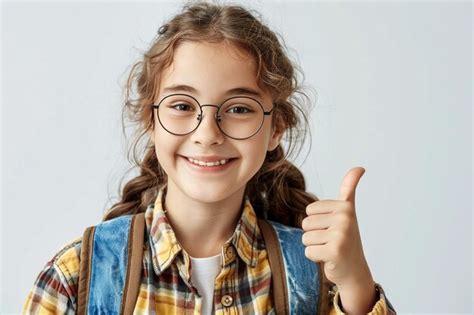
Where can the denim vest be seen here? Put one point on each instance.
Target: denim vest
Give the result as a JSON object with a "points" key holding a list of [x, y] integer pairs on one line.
{"points": [[110, 257]]}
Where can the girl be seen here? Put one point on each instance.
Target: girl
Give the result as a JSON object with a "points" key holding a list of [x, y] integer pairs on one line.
{"points": [[216, 93]]}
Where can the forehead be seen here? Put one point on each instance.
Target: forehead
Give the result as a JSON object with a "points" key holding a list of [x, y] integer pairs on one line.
{"points": [[211, 68]]}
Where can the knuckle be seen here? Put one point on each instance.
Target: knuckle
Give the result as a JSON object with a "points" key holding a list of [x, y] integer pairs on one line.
{"points": [[304, 223], [309, 253], [311, 208], [304, 238]]}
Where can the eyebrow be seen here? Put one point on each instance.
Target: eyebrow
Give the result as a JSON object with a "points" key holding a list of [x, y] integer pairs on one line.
{"points": [[238, 90]]}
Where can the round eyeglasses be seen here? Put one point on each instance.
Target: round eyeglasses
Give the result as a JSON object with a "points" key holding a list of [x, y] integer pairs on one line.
{"points": [[239, 117]]}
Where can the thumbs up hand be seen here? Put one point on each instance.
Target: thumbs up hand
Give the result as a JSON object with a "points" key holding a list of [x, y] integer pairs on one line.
{"points": [[331, 235]]}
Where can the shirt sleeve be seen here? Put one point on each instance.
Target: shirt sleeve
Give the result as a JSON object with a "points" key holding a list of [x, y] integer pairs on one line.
{"points": [[381, 307], [54, 290]]}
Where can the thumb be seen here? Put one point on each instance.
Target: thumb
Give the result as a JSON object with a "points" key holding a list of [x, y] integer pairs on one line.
{"points": [[349, 184]]}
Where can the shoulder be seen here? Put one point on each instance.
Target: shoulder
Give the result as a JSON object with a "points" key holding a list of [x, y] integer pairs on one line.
{"points": [[62, 271], [55, 288], [67, 260]]}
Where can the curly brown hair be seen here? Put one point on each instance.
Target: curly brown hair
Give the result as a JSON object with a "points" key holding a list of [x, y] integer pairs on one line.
{"points": [[277, 191]]}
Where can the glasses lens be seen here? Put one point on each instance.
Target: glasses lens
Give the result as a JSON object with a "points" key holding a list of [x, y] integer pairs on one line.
{"points": [[240, 117], [178, 114]]}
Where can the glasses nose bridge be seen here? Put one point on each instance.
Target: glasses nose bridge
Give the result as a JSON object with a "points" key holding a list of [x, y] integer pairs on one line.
{"points": [[216, 117]]}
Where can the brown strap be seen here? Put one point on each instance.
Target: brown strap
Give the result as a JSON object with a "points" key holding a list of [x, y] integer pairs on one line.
{"points": [[134, 266], [279, 287], [85, 270], [278, 274]]}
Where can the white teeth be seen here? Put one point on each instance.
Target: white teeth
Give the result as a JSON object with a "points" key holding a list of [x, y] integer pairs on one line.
{"points": [[202, 163]]}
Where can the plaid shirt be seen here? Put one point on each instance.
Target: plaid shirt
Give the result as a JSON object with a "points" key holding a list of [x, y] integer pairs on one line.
{"points": [[242, 286]]}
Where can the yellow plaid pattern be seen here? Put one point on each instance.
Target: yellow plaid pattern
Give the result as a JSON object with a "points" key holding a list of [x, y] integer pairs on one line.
{"points": [[166, 284]]}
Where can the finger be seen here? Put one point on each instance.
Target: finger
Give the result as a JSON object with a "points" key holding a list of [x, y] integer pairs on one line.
{"points": [[322, 206], [349, 184], [316, 222], [317, 252], [316, 237]]}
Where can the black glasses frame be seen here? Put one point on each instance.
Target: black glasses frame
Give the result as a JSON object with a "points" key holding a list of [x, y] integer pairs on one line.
{"points": [[216, 116]]}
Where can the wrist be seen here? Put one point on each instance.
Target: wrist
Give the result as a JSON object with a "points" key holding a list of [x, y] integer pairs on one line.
{"points": [[359, 298]]}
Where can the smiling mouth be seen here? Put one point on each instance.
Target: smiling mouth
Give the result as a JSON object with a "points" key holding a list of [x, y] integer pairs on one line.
{"points": [[202, 163], [210, 163]]}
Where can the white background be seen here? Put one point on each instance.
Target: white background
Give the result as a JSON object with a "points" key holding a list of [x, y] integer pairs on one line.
{"points": [[394, 95]]}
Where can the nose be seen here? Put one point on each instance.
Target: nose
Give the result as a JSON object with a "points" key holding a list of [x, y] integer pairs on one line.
{"points": [[208, 133]]}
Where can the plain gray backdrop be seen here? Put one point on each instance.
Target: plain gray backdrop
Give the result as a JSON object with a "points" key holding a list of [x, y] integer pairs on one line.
{"points": [[393, 94]]}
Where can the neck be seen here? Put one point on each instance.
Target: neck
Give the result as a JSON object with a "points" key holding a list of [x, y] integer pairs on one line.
{"points": [[202, 227]]}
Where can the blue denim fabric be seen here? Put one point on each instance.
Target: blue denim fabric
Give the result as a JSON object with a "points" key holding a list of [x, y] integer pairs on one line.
{"points": [[110, 258], [302, 274], [109, 264]]}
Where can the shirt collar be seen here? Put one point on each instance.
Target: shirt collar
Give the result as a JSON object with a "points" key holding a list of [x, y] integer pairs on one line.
{"points": [[246, 239]]}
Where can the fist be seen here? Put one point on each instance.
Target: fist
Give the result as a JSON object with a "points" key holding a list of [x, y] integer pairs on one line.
{"points": [[331, 234]]}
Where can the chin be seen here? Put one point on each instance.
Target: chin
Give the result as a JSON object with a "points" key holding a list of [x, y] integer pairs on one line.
{"points": [[211, 193], [213, 196]]}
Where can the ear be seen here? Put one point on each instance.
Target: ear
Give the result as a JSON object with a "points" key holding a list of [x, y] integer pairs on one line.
{"points": [[277, 134]]}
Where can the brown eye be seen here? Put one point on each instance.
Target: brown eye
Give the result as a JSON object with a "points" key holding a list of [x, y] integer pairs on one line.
{"points": [[239, 110], [182, 107]]}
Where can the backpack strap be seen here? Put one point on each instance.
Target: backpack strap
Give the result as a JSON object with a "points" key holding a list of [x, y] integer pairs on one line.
{"points": [[302, 294], [85, 270], [134, 267], [119, 243], [279, 287], [110, 266]]}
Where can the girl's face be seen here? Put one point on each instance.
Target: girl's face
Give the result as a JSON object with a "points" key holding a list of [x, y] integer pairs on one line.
{"points": [[211, 69]]}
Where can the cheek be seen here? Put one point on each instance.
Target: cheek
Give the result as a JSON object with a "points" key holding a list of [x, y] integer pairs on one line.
{"points": [[165, 149], [255, 151]]}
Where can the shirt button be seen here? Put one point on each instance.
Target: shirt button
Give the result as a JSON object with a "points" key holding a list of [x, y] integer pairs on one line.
{"points": [[227, 300], [229, 253]]}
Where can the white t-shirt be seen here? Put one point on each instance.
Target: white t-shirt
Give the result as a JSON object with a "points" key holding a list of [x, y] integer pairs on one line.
{"points": [[203, 274]]}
